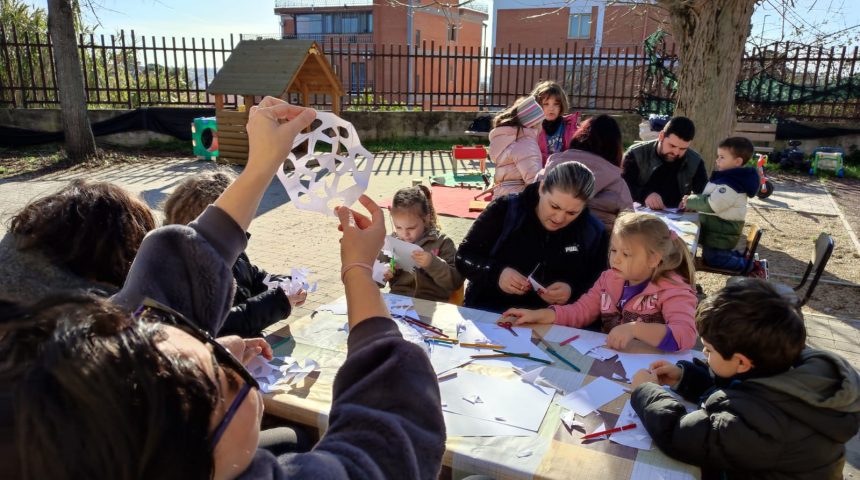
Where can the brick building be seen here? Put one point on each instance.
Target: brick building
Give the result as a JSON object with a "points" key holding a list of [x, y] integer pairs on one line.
{"points": [[369, 45], [582, 44]]}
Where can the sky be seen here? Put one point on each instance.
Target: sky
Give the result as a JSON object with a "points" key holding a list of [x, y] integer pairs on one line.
{"points": [[219, 18]]}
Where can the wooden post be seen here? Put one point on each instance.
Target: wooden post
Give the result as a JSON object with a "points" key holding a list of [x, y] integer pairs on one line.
{"points": [[335, 103], [306, 98], [219, 102], [248, 100]]}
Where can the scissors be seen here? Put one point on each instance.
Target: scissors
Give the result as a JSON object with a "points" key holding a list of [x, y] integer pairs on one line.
{"points": [[507, 325]]}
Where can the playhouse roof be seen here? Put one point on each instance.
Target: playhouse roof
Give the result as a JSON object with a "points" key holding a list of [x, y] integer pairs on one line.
{"points": [[274, 67]]}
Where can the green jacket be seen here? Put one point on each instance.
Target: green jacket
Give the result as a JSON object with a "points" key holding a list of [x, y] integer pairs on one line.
{"points": [[714, 231]]}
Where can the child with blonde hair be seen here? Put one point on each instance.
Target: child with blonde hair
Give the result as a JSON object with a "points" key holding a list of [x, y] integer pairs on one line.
{"points": [[557, 129], [646, 294], [415, 221]]}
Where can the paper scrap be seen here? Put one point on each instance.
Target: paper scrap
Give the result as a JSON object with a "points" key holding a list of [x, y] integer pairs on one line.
{"points": [[335, 308], [591, 397], [570, 422], [338, 180], [535, 285], [280, 371], [602, 353], [297, 281], [599, 428], [401, 252], [379, 270], [637, 437]]}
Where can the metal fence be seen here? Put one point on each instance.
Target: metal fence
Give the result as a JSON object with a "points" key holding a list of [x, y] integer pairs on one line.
{"points": [[127, 71]]}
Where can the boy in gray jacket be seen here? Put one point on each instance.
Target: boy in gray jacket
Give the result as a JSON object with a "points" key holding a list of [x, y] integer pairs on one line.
{"points": [[768, 407]]}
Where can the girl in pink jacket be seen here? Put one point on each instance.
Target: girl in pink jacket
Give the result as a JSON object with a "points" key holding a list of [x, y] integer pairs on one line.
{"points": [[557, 129], [647, 293], [513, 146]]}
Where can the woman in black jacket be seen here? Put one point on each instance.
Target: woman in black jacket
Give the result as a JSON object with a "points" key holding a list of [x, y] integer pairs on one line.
{"points": [[545, 232]]}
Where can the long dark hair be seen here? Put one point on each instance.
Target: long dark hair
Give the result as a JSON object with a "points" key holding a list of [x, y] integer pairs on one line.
{"points": [[91, 228], [601, 136], [95, 397]]}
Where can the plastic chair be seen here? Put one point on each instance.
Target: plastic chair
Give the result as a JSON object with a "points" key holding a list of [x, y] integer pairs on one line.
{"points": [[753, 239]]}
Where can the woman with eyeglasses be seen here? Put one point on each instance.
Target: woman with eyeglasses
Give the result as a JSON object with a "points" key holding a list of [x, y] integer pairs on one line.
{"points": [[91, 388]]}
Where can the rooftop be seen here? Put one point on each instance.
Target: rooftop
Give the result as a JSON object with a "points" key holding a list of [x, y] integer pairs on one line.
{"points": [[473, 5]]}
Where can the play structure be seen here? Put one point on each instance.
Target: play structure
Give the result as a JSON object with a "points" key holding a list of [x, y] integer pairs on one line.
{"points": [[277, 68], [204, 138]]}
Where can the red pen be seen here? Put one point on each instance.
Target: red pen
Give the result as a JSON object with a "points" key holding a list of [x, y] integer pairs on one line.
{"points": [[610, 431], [569, 340]]}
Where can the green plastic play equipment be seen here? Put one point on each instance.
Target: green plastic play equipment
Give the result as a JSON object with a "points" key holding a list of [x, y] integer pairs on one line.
{"points": [[204, 138]]}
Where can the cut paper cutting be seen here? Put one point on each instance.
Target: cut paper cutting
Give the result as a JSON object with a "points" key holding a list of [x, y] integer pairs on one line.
{"points": [[570, 422], [591, 397], [475, 399], [297, 281], [535, 285], [280, 371], [379, 270], [401, 252], [338, 180]]}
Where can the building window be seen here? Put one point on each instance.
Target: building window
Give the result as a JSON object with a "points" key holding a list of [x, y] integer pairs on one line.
{"points": [[452, 33], [357, 76], [334, 23], [579, 26]]}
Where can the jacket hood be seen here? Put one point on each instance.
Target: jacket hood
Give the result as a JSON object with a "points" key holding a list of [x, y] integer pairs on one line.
{"points": [[502, 137], [822, 391], [741, 179]]}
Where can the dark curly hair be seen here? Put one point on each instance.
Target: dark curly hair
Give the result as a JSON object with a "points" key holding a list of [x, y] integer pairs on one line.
{"points": [[91, 228], [91, 395], [417, 200], [194, 194], [601, 136]]}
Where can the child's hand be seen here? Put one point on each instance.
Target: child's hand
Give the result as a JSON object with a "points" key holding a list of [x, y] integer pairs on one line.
{"points": [[525, 316], [620, 336], [667, 373], [643, 376], [298, 299], [513, 282], [422, 258], [556, 294], [362, 237], [388, 275], [683, 204], [272, 127]]}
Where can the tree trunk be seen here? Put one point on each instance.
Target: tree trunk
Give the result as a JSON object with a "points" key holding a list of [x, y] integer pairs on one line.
{"points": [[710, 35], [80, 143]]}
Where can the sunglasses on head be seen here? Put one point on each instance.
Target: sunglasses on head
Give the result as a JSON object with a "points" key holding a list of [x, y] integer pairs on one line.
{"points": [[152, 310]]}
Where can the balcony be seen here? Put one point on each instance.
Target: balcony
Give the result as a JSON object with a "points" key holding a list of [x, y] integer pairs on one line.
{"points": [[322, 3], [336, 38]]}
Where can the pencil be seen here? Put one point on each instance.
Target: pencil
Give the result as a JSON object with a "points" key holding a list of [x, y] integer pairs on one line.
{"points": [[524, 355], [444, 339], [569, 340], [498, 355], [425, 326], [482, 345], [281, 342], [608, 432], [557, 355]]}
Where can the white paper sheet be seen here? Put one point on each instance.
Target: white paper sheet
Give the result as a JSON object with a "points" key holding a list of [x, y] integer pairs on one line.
{"points": [[447, 357], [482, 332], [637, 437], [335, 308], [561, 379], [379, 270], [401, 252], [535, 285], [465, 426], [591, 397], [587, 340], [502, 400], [345, 180]]}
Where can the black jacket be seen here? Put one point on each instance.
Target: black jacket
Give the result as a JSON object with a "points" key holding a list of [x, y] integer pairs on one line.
{"points": [[790, 425], [509, 234], [645, 172], [255, 307]]}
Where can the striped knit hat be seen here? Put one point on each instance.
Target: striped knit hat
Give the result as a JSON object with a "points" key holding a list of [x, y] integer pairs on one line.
{"points": [[529, 112]]}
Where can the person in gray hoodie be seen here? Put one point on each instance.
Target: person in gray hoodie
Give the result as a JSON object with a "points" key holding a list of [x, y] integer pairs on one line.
{"points": [[769, 408], [597, 145]]}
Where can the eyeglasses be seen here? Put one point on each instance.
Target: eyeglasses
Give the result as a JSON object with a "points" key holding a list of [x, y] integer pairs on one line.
{"points": [[155, 311]]}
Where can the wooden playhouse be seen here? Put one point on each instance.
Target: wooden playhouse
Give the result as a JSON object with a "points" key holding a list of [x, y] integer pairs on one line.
{"points": [[258, 68]]}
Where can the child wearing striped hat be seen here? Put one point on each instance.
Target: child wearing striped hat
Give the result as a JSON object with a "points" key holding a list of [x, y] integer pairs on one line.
{"points": [[514, 147]]}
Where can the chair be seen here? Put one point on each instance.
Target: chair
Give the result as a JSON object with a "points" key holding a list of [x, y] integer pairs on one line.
{"points": [[753, 239], [458, 296], [823, 250]]}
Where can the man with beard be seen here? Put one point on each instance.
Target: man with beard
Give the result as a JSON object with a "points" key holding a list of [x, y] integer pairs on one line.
{"points": [[660, 172]]}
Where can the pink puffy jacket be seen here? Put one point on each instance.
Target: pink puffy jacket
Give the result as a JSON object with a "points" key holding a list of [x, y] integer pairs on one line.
{"points": [[516, 155]]}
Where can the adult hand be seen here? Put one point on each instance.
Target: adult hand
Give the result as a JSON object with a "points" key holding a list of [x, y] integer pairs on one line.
{"points": [[667, 373], [620, 336], [683, 204], [298, 299], [272, 128], [246, 350], [654, 201], [525, 316], [362, 237], [557, 293], [422, 258], [643, 376], [513, 282]]}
